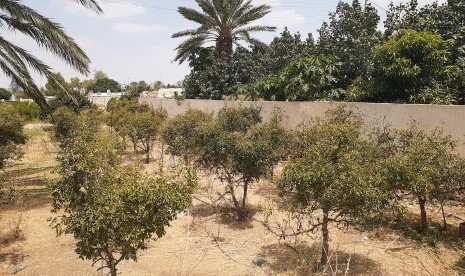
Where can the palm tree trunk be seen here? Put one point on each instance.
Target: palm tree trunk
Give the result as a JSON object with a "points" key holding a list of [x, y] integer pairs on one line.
{"points": [[224, 45]]}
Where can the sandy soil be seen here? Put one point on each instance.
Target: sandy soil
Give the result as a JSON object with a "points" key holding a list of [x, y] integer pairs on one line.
{"points": [[207, 240]]}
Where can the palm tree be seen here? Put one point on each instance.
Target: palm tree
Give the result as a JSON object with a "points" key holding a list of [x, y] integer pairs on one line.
{"points": [[223, 22], [16, 62]]}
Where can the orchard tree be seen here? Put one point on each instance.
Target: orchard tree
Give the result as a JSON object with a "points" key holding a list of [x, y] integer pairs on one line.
{"points": [[11, 134], [146, 126], [239, 151], [112, 209], [330, 170], [180, 133], [426, 165]]}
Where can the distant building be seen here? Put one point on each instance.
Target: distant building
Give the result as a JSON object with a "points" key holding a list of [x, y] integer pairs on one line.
{"points": [[102, 98], [168, 93]]}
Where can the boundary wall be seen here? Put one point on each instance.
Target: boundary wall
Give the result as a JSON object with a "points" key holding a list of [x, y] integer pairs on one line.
{"points": [[451, 118]]}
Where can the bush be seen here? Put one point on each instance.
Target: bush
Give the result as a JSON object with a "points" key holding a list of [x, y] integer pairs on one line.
{"points": [[29, 111]]}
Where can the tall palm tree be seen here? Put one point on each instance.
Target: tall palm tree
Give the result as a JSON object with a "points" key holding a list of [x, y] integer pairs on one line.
{"points": [[16, 62], [223, 22]]}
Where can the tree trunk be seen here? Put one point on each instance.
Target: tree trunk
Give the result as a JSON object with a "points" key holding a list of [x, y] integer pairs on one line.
{"points": [[443, 216], [2, 164], [224, 45], [111, 262], [235, 201], [243, 213], [325, 248], [424, 222], [147, 151]]}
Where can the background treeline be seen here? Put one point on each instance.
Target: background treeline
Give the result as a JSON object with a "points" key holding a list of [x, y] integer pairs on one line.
{"points": [[417, 58]]}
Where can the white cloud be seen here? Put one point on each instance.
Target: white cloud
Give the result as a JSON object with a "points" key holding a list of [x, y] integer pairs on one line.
{"points": [[133, 28], [110, 9], [282, 18]]}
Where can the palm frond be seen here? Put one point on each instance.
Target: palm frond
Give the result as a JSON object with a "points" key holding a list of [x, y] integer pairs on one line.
{"points": [[15, 61], [220, 20], [91, 5]]}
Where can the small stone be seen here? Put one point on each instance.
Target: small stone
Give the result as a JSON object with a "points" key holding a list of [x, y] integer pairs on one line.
{"points": [[49, 219], [259, 261], [19, 268], [365, 239]]}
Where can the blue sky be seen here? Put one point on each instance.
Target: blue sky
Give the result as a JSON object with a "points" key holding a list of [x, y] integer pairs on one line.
{"points": [[131, 41]]}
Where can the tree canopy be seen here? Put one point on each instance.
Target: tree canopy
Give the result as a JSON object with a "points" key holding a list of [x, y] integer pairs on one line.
{"points": [[223, 22]]}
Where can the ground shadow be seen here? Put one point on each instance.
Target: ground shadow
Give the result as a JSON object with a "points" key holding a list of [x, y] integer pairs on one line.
{"points": [[224, 214], [28, 199], [301, 259], [12, 257], [460, 266], [23, 173], [410, 227]]}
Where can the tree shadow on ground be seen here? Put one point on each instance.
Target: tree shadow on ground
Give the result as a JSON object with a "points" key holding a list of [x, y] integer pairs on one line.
{"points": [[12, 257], [409, 226], [25, 173], [28, 199], [460, 266], [302, 259], [224, 214]]}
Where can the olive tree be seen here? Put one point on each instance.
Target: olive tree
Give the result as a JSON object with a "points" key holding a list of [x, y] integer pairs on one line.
{"points": [[112, 209], [331, 176]]}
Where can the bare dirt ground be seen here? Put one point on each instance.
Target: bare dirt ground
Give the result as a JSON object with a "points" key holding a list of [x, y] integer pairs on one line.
{"points": [[206, 240]]}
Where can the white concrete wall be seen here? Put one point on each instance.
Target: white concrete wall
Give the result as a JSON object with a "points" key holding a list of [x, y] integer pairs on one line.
{"points": [[450, 118]]}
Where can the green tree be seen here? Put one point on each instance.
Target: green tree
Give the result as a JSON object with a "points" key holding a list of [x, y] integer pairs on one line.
{"points": [[351, 36], [223, 22], [305, 79], [135, 88], [112, 209], [146, 126], [56, 84], [330, 170], [5, 94], [239, 151], [11, 134], [214, 76], [105, 84], [180, 133], [444, 19], [426, 165], [15, 61], [409, 63], [283, 50]]}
